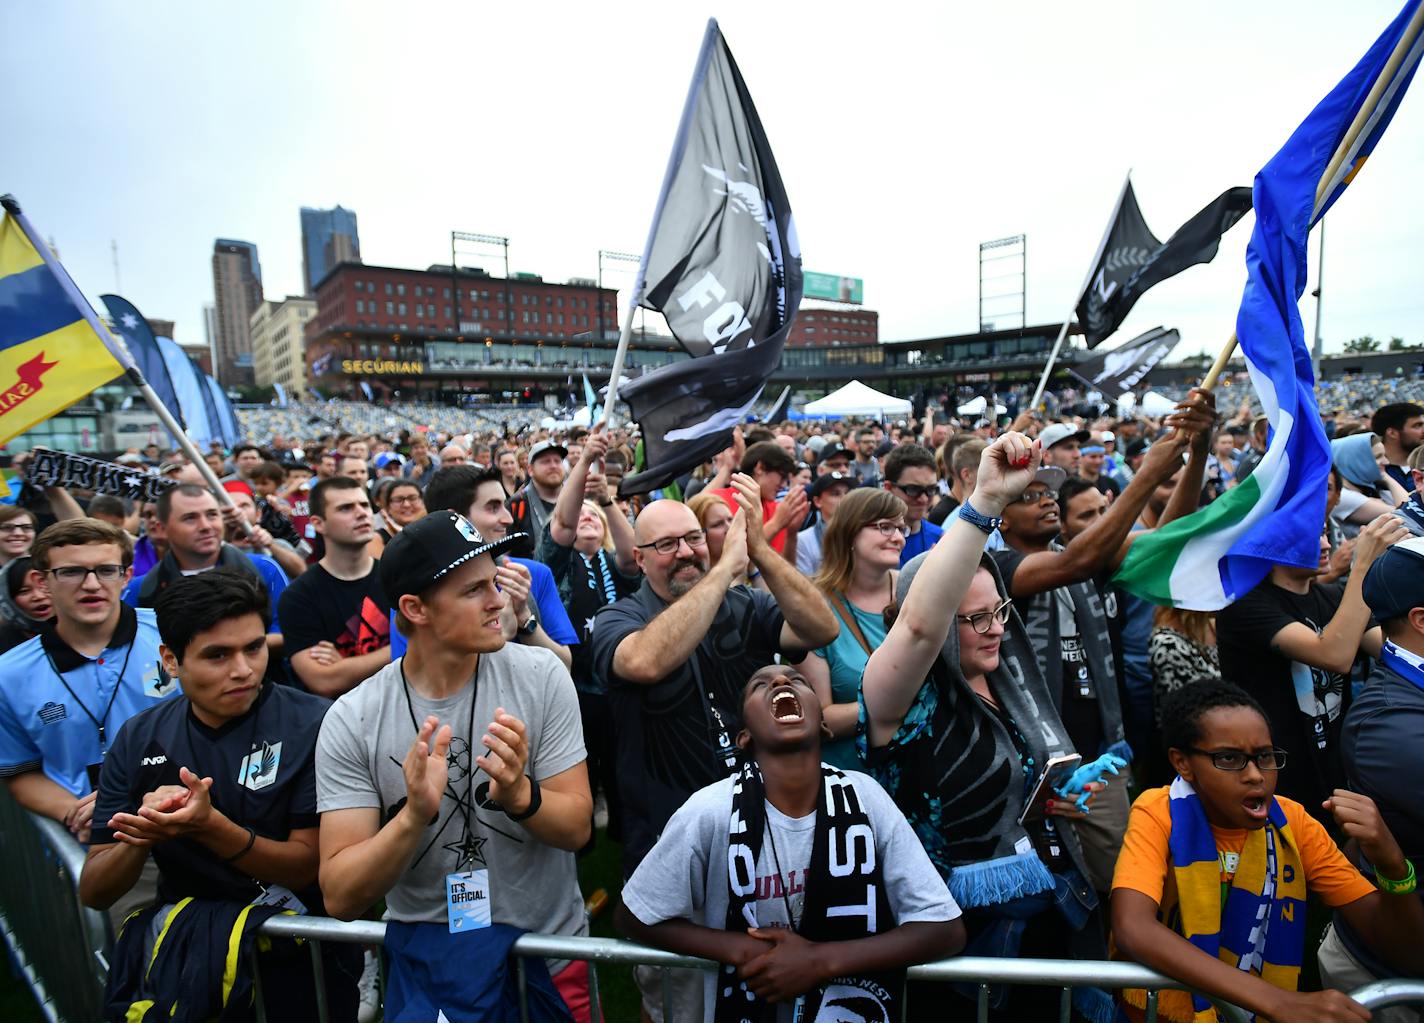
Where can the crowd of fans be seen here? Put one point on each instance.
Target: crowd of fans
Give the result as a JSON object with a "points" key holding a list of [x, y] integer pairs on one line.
{"points": [[848, 697]]}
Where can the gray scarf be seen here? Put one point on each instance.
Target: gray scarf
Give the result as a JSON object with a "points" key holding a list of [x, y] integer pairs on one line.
{"points": [[1041, 622]]}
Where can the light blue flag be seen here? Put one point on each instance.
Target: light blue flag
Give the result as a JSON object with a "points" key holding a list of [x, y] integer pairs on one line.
{"points": [[1274, 517], [590, 398], [227, 426], [186, 387], [210, 406], [281, 395]]}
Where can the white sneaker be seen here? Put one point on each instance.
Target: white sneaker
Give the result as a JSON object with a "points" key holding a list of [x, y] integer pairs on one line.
{"points": [[368, 987]]}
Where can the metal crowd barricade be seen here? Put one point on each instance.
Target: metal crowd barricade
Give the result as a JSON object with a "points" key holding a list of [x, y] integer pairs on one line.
{"points": [[57, 944], [61, 947]]}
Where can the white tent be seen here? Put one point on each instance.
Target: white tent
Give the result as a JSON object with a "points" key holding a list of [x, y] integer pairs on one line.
{"points": [[975, 407], [857, 399]]}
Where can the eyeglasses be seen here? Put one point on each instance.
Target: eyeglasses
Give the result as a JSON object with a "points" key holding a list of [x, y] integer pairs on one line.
{"points": [[17, 527], [983, 621], [914, 491], [887, 528], [1037, 496], [408, 499], [669, 544], [1236, 760], [75, 575]]}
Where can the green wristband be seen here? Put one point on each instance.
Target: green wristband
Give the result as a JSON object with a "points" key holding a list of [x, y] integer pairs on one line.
{"points": [[1405, 887]]}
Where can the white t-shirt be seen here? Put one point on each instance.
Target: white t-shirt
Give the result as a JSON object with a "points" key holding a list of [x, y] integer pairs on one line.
{"points": [[685, 874]]}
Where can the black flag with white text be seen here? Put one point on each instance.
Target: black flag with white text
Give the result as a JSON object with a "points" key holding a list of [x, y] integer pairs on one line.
{"points": [[1122, 369], [1133, 260], [723, 266]]}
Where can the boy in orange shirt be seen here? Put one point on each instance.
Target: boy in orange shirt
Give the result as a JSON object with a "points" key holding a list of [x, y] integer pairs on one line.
{"points": [[1211, 882]]}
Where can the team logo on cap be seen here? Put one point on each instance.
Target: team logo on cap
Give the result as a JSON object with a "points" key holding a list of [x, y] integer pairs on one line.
{"points": [[467, 529]]}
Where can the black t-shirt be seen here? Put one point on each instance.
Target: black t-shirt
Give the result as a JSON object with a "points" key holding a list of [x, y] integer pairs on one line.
{"points": [[263, 767], [673, 737], [353, 615], [1306, 706]]}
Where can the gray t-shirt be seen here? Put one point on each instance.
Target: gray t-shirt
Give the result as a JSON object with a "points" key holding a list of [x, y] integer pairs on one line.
{"points": [[366, 736], [685, 874]]}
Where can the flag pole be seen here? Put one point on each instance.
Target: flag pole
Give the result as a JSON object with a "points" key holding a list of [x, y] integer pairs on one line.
{"points": [[1332, 169], [120, 351], [1078, 295], [640, 283]]}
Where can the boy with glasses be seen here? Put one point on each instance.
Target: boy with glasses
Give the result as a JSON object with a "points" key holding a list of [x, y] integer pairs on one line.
{"points": [[1215, 870], [911, 475], [65, 693], [674, 657]]}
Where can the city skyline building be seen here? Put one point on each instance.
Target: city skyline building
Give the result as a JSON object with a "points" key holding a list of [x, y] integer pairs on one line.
{"points": [[278, 331], [237, 292], [329, 238]]}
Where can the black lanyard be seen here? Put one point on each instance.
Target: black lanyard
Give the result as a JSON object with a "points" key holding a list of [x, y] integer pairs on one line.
{"points": [[465, 806], [98, 722]]}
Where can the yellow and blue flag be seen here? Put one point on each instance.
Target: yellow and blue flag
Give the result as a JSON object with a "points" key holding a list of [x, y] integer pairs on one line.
{"points": [[51, 354]]}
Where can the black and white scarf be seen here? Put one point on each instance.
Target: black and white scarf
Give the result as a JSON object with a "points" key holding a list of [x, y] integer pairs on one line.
{"points": [[845, 899]]}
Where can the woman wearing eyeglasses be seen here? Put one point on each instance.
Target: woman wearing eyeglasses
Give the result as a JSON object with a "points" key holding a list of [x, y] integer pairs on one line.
{"points": [[958, 725], [860, 560], [17, 532], [401, 504]]}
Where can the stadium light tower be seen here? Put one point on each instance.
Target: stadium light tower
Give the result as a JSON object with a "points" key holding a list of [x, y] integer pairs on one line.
{"points": [[612, 257], [496, 241], [1010, 259]]}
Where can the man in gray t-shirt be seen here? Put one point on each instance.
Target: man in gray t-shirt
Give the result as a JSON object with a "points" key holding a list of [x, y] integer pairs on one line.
{"points": [[463, 761]]}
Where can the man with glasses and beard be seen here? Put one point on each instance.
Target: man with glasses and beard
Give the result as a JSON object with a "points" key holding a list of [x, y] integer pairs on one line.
{"points": [[674, 657]]}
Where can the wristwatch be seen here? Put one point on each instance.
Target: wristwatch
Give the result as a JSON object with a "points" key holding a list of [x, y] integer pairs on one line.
{"points": [[530, 626]]}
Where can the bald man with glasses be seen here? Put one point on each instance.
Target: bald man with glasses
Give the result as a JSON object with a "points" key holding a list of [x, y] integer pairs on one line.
{"points": [[674, 657]]}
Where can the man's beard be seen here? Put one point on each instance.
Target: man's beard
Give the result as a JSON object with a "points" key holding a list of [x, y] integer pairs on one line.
{"points": [[677, 586]]}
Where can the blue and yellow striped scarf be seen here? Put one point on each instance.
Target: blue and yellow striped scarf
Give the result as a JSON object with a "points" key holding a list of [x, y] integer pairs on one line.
{"points": [[1256, 925]]}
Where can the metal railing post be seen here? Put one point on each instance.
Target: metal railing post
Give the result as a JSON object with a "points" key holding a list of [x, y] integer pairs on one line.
{"points": [[319, 980]]}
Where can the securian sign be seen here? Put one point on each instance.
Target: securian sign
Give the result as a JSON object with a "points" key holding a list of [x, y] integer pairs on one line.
{"points": [[380, 366]]}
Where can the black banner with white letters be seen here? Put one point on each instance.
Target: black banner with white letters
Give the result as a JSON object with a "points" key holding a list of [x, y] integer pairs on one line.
{"points": [[48, 468], [1122, 369], [723, 266]]}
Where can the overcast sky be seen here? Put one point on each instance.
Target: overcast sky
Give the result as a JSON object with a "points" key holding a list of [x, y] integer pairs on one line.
{"points": [[906, 135]]}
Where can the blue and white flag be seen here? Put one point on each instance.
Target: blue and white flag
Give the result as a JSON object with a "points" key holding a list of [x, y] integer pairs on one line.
{"points": [[590, 398], [143, 346], [281, 395], [1274, 517]]}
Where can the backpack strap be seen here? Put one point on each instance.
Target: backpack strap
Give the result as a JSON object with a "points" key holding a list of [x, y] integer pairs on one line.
{"points": [[845, 614]]}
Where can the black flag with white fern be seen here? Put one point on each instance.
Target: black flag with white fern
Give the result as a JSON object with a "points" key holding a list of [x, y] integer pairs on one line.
{"points": [[723, 266], [1133, 260]]}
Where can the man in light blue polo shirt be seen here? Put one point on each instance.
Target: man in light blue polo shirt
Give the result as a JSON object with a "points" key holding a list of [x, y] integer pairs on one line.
{"points": [[65, 693]]}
